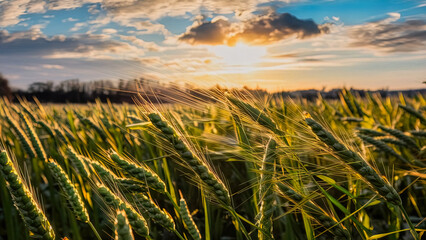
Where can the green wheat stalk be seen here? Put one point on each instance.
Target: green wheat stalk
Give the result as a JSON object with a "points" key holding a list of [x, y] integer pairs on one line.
{"points": [[71, 194]]}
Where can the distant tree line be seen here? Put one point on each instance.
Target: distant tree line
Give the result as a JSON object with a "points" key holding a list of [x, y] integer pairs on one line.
{"points": [[5, 90], [75, 91]]}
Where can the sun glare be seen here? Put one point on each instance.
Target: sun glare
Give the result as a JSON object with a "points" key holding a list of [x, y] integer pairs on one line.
{"points": [[240, 54]]}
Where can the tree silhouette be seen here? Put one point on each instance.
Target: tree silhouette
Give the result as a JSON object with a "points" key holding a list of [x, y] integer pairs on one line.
{"points": [[5, 90]]}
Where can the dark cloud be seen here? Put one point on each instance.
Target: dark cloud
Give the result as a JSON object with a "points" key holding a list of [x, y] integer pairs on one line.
{"points": [[260, 30], [275, 27], [33, 43], [390, 36], [215, 32]]}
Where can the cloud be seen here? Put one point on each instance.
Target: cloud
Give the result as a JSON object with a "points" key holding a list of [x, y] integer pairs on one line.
{"points": [[214, 32], [12, 10], [8, 38], [68, 4], [52, 66], [78, 26], [259, 30], [390, 36], [70, 19], [151, 46], [109, 31], [147, 27], [160, 8], [34, 43]]}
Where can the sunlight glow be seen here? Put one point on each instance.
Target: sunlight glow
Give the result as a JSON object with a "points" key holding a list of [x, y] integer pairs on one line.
{"points": [[240, 54]]}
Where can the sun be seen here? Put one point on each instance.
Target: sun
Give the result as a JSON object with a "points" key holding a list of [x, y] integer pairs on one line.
{"points": [[240, 54]]}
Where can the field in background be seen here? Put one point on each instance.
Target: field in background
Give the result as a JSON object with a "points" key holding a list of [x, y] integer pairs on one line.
{"points": [[243, 167]]}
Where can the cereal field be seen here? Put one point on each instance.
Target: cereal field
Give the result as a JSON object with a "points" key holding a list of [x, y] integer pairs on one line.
{"points": [[239, 167]]}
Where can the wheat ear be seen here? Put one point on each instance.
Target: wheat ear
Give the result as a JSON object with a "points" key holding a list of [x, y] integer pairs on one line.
{"points": [[46, 128], [70, 191], [414, 112], [78, 161], [359, 165], [106, 175], [419, 133], [31, 214], [23, 138], [38, 147], [137, 222], [356, 162], [370, 132], [266, 193], [203, 171], [91, 124], [254, 113], [188, 221], [123, 230], [71, 194], [154, 212], [140, 173], [401, 136], [392, 140]]}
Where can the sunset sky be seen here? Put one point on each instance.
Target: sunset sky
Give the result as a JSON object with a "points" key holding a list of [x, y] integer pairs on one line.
{"points": [[279, 45]]}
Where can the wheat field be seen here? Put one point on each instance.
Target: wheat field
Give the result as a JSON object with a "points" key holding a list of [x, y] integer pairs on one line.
{"points": [[241, 166]]}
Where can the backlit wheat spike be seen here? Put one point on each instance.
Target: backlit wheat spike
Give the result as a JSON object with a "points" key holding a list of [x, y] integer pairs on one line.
{"points": [[131, 185], [106, 175], [419, 133], [154, 212], [382, 147], [203, 171], [59, 133], [266, 193], [255, 114], [370, 132], [70, 191], [91, 124], [38, 147], [78, 161], [351, 119], [358, 107], [46, 128], [140, 173], [23, 138], [393, 141], [356, 162], [31, 214], [414, 112], [102, 171], [385, 148], [69, 134], [123, 230], [137, 222], [188, 221], [401, 136], [28, 111], [359, 165], [347, 101]]}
